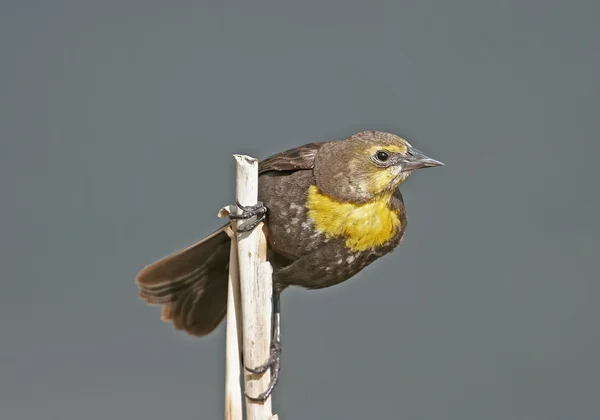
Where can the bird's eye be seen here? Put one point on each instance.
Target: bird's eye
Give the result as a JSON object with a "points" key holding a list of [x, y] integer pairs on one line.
{"points": [[382, 156]]}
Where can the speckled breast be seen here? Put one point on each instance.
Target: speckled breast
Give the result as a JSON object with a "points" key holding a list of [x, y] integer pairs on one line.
{"points": [[305, 256]]}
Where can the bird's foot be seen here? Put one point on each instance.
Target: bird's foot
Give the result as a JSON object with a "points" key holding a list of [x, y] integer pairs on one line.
{"points": [[252, 216], [274, 356], [274, 363]]}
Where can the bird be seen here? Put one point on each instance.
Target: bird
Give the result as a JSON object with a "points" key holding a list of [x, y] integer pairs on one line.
{"points": [[329, 209]]}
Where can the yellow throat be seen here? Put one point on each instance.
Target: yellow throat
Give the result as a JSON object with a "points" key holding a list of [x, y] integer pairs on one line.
{"points": [[364, 226]]}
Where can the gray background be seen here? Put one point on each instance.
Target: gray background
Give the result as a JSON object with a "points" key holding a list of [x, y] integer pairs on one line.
{"points": [[118, 121]]}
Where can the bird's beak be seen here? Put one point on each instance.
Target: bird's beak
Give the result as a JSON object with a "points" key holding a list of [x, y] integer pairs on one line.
{"points": [[416, 159]]}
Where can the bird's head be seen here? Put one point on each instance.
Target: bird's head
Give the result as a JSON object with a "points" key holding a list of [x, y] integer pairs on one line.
{"points": [[366, 165]]}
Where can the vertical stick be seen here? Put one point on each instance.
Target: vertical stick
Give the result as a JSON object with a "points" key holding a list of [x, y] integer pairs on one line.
{"points": [[233, 342], [256, 290]]}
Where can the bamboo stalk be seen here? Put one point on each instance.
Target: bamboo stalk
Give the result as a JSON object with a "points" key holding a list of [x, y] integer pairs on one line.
{"points": [[233, 341], [253, 272]]}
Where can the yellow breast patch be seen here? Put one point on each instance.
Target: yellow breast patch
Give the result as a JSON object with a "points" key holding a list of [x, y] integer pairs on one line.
{"points": [[365, 225]]}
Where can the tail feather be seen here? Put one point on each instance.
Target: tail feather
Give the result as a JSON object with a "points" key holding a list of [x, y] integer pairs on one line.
{"points": [[167, 293], [191, 284]]}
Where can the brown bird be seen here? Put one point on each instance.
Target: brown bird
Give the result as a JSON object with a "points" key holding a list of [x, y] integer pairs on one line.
{"points": [[330, 209]]}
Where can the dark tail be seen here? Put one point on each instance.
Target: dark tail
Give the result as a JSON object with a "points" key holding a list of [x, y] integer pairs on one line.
{"points": [[191, 284]]}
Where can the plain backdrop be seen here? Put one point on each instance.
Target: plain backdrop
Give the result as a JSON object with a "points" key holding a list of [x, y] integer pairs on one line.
{"points": [[118, 120]]}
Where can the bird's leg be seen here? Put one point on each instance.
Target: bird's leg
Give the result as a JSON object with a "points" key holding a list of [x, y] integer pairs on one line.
{"points": [[252, 216], [274, 361]]}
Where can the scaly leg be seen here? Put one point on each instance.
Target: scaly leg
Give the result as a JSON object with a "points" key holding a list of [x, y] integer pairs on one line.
{"points": [[274, 362]]}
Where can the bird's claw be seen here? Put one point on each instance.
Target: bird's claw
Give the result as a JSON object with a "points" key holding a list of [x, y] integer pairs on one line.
{"points": [[274, 357], [274, 363], [252, 216]]}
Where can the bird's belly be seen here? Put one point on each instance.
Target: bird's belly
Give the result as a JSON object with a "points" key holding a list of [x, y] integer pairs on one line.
{"points": [[326, 265], [305, 256]]}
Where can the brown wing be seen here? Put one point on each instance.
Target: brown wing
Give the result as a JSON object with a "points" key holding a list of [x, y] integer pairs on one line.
{"points": [[302, 157]]}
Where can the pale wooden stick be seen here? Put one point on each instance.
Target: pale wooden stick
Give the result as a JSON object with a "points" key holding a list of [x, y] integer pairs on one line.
{"points": [[256, 290], [233, 341]]}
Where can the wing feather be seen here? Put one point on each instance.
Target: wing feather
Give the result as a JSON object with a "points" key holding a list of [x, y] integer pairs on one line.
{"points": [[299, 158]]}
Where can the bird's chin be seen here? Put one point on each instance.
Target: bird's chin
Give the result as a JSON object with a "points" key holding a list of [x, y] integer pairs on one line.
{"points": [[404, 174], [400, 178]]}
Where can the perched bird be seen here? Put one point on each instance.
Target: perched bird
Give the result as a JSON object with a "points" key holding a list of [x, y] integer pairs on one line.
{"points": [[330, 209]]}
